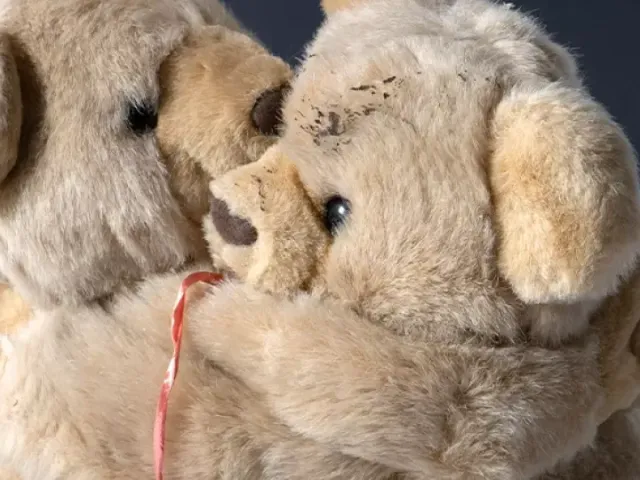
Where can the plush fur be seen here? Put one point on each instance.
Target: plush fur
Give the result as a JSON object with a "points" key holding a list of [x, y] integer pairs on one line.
{"points": [[15, 311], [458, 324], [85, 201]]}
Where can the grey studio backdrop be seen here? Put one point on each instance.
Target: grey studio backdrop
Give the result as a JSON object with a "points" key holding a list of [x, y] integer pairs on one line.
{"points": [[604, 33]]}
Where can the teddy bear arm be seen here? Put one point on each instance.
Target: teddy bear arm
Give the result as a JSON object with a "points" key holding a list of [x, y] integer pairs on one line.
{"points": [[441, 410], [438, 411]]}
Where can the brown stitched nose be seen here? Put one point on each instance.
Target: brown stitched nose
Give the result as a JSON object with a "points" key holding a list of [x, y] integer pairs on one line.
{"points": [[266, 114], [233, 229]]}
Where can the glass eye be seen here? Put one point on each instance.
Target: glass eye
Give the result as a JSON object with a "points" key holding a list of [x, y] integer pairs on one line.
{"points": [[142, 117], [336, 211]]}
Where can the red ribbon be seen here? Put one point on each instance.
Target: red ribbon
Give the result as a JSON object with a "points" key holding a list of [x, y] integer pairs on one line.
{"points": [[177, 320]]}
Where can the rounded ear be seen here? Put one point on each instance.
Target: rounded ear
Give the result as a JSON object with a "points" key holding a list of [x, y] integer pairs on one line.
{"points": [[566, 196], [10, 108]]}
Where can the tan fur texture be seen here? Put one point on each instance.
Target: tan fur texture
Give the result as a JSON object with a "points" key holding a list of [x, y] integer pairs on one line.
{"points": [[205, 88], [15, 311], [89, 202], [550, 143], [330, 6], [415, 352], [209, 85]]}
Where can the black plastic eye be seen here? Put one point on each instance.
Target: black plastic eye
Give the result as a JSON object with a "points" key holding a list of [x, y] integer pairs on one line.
{"points": [[336, 211], [142, 117]]}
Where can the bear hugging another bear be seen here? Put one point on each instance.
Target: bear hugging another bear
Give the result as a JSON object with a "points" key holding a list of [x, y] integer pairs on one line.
{"points": [[434, 279]]}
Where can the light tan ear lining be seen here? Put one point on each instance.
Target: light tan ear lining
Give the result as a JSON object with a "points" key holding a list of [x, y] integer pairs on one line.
{"points": [[10, 108], [567, 205]]}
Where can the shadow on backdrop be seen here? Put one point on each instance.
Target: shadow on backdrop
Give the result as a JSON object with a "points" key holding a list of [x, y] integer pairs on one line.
{"points": [[604, 35]]}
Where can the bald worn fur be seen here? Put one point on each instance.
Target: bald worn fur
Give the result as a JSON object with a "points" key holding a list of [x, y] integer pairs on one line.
{"points": [[459, 325]]}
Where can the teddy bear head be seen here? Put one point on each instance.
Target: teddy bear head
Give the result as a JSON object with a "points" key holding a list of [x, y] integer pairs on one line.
{"points": [[451, 182], [114, 116]]}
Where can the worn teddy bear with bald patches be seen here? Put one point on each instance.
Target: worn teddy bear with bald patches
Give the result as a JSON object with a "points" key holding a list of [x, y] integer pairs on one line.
{"points": [[431, 318], [527, 237]]}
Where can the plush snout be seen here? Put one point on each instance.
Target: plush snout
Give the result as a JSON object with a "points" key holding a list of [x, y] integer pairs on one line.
{"points": [[232, 229], [263, 227]]}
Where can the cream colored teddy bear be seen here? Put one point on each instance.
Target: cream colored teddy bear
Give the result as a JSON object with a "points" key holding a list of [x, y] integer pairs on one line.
{"points": [[457, 223], [90, 196], [93, 193], [481, 203]]}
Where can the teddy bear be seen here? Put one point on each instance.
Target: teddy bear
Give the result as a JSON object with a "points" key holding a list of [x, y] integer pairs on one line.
{"points": [[520, 168], [431, 274], [89, 198], [265, 230], [408, 339], [568, 262], [251, 207]]}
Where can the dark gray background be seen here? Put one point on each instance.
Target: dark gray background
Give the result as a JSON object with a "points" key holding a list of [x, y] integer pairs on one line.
{"points": [[604, 33]]}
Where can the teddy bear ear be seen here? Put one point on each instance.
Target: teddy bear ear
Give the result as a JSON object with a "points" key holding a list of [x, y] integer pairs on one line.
{"points": [[10, 108], [566, 197]]}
